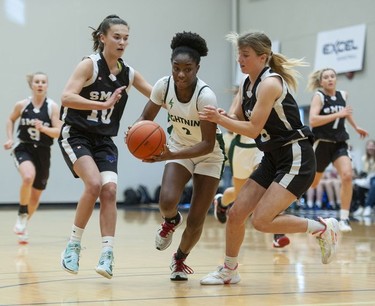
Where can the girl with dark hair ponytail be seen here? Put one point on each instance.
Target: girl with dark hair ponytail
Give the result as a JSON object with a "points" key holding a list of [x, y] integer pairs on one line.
{"points": [[93, 102]]}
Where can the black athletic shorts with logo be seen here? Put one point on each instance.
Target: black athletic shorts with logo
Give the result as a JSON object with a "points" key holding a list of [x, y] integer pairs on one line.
{"points": [[40, 156], [327, 152], [75, 144], [293, 166]]}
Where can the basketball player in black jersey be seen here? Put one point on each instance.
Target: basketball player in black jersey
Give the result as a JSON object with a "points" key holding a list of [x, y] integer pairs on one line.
{"points": [[244, 157], [38, 124], [93, 102], [328, 112], [269, 114]]}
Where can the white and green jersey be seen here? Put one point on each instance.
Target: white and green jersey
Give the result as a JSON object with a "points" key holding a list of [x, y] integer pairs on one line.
{"points": [[183, 117]]}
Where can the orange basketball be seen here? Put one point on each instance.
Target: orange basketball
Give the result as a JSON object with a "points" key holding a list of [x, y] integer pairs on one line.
{"points": [[145, 139]]}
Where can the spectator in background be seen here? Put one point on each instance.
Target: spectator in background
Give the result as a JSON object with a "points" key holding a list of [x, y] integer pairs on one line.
{"points": [[314, 197], [367, 181], [329, 185], [332, 184]]}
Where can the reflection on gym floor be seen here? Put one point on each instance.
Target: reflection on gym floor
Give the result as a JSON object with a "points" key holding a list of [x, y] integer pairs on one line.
{"points": [[31, 274]]}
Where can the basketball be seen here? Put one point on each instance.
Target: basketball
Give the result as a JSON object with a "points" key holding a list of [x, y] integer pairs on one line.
{"points": [[145, 139]]}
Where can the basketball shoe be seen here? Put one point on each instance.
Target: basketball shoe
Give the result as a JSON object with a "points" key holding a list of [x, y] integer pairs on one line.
{"points": [[164, 234], [220, 212], [179, 269], [280, 240], [367, 211], [105, 265], [21, 222], [344, 226], [358, 212], [222, 276], [70, 257], [328, 239], [23, 238]]}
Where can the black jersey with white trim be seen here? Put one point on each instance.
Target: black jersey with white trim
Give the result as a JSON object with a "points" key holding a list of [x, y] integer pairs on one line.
{"points": [[334, 130], [26, 131], [102, 122], [284, 123]]}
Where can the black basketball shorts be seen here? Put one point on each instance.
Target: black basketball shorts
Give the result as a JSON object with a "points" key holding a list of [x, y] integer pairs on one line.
{"points": [[292, 166]]}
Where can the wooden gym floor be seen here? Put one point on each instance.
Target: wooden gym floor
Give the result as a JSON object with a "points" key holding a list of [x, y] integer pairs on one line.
{"points": [[31, 274]]}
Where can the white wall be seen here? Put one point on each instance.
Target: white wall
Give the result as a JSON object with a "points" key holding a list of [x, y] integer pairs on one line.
{"points": [[295, 23], [56, 35]]}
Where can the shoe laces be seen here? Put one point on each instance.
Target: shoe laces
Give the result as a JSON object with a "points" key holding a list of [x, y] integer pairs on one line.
{"points": [[106, 256], [319, 233], [179, 266], [346, 222], [223, 272], [74, 247], [166, 229]]}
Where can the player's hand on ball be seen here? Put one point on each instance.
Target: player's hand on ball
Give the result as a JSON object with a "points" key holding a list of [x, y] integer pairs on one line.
{"points": [[164, 155], [126, 134], [145, 139]]}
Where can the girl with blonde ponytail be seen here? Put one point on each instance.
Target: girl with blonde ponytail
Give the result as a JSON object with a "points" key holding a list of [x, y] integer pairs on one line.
{"points": [[269, 114]]}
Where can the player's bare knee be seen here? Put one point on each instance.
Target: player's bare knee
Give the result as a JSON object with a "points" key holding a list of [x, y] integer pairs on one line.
{"points": [[346, 177], [93, 187], [28, 179], [260, 224], [108, 193]]}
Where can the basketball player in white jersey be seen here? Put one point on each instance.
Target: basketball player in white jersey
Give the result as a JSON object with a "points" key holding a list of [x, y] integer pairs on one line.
{"points": [[193, 150]]}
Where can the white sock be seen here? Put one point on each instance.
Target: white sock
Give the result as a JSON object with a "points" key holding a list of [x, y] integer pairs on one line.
{"points": [[76, 234], [344, 214], [231, 262], [107, 243], [314, 226]]}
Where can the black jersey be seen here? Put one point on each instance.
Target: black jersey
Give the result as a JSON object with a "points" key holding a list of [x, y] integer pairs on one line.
{"points": [[27, 132], [101, 122], [334, 130], [283, 124]]}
